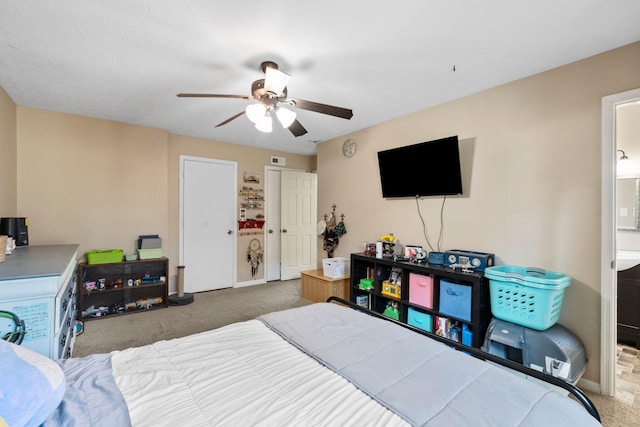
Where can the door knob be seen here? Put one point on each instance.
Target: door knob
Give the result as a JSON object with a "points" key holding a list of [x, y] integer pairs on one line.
{"points": [[284, 230], [270, 231], [229, 231]]}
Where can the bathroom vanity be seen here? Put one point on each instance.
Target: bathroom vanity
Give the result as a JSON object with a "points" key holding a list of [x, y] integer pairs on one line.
{"points": [[629, 305], [628, 261]]}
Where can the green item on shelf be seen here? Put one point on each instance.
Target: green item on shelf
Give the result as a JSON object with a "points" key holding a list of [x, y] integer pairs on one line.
{"points": [[366, 284], [104, 257], [392, 313]]}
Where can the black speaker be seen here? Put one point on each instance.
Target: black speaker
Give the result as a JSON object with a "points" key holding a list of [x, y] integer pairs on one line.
{"points": [[16, 228]]}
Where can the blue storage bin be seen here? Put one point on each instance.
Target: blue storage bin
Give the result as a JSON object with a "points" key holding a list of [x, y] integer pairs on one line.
{"points": [[455, 300], [467, 335], [420, 320]]}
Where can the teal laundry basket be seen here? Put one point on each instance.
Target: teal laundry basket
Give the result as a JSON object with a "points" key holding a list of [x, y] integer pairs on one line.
{"points": [[526, 296]]}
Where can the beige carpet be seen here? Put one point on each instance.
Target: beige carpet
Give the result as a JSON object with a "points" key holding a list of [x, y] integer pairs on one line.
{"points": [[615, 412], [208, 311], [218, 308]]}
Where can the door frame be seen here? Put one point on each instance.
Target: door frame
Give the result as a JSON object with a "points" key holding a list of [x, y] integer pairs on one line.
{"points": [[608, 277], [270, 203]]}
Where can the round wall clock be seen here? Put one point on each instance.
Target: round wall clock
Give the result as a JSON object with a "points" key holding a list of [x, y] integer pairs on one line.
{"points": [[349, 148]]}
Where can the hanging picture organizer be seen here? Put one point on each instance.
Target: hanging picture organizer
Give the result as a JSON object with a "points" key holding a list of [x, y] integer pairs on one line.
{"points": [[251, 220]]}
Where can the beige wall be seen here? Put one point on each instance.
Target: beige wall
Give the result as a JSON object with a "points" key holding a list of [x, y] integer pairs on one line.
{"points": [[8, 156], [94, 182], [249, 159], [532, 154], [102, 184]]}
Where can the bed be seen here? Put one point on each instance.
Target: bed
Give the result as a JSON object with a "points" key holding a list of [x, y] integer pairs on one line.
{"points": [[321, 364]]}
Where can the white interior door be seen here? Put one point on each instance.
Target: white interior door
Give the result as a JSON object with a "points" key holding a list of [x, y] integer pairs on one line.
{"points": [[273, 195], [208, 223], [298, 201]]}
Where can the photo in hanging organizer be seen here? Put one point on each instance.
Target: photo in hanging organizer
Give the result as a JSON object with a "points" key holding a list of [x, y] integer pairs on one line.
{"points": [[251, 197], [251, 221]]}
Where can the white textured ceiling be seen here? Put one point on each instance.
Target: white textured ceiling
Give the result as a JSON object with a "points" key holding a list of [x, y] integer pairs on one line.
{"points": [[126, 60]]}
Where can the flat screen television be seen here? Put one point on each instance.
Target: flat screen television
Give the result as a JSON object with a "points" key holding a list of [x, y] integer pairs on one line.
{"points": [[429, 168]]}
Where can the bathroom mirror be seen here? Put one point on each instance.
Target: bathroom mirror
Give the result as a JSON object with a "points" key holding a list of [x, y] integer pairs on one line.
{"points": [[627, 203]]}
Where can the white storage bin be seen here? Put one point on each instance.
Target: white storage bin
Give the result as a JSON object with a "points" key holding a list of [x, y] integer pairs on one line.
{"points": [[336, 267]]}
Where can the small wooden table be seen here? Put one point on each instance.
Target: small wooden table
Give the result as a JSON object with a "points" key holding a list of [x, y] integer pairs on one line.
{"points": [[316, 287]]}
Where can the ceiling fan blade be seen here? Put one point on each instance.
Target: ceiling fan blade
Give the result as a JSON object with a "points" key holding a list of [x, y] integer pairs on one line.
{"points": [[331, 110], [230, 118], [297, 129], [211, 95]]}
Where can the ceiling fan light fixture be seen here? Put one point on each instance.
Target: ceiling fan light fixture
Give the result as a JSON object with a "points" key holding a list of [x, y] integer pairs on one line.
{"points": [[275, 80], [285, 116], [265, 124], [268, 94], [255, 111]]}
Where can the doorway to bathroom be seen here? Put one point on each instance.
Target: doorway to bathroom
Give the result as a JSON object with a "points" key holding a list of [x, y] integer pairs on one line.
{"points": [[608, 335]]}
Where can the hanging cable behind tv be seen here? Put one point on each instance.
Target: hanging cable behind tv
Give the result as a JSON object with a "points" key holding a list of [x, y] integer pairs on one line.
{"points": [[425, 231]]}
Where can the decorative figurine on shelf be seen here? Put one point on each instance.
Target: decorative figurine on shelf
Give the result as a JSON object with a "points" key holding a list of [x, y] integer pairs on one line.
{"points": [[392, 310], [388, 244], [254, 256], [331, 231]]}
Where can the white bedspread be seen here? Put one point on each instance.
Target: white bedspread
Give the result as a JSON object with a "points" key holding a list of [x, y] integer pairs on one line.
{"points": [[215, 378]]}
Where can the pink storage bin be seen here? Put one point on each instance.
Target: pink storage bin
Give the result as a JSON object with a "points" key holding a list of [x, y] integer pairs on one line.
{"points": [[421, 290]]}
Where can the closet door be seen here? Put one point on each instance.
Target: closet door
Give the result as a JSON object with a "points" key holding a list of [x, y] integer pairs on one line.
{"points": [[298, 221]]}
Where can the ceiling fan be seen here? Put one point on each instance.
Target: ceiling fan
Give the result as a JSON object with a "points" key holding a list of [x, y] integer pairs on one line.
{"points": [[271, 96]]}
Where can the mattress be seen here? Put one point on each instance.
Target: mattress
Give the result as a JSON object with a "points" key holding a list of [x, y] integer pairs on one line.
{"points": [[321, 364], [242, 374]]}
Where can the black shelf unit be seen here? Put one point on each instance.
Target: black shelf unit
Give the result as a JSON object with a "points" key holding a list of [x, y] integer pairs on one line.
{"points": [[365, 266], [149, 291]]}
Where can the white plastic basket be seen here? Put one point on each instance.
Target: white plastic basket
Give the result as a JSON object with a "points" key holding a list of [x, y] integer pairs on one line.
{"points": [[336, 267]]}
